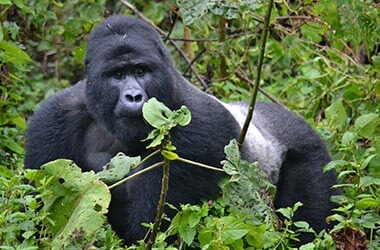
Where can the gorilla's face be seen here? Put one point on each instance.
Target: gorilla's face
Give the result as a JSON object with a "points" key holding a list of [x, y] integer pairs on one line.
{"points": [[126, 65]]}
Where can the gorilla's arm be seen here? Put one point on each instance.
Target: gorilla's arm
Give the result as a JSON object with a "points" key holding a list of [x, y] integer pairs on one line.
{"points": [[63, 128]]}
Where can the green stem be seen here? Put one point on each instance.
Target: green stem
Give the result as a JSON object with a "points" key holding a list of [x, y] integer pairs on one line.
{"points": [[146, 158], [258, 76], [161, 205], [158, 164], [199, 164], [222, 39]]}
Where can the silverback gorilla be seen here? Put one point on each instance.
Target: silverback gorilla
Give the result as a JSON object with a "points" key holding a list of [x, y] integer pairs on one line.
{"points": [[126, 64]]}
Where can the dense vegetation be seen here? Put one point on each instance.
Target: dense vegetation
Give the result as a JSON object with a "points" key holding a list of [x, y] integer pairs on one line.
{"points": [[322, 61]]}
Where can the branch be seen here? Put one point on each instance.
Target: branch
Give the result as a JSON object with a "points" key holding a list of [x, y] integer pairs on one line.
{"points": [[158, 164], [194, 60], [240, 74], [199, 164], [258, 77], [160, 206]]}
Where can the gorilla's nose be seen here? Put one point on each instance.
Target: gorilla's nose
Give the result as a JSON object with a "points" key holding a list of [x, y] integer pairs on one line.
{"points": [[133, 100], [133, 96]]}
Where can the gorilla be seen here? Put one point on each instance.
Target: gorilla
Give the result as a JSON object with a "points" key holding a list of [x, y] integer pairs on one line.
{"points": [[126, 64]]}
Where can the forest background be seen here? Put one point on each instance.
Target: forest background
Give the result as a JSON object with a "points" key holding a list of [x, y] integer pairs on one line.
{"points": [[322, 61]]}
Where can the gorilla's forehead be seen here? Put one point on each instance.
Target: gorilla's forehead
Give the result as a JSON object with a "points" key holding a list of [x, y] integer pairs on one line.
{"points": [[132, 50]]}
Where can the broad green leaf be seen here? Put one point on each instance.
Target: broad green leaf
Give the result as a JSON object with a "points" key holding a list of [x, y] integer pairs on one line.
{"points": [[254, 236], [233, 229], [336, 115], [76, 201], [118, 168], [156, 113], [366, 125], [13, 54], [187, 234]]}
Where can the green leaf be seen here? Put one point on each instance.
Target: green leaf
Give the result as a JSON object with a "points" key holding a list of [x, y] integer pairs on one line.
{"points": [[13, 54], [156, 113], [369, 180], [19, 121], [1, 33], [187, 234], [9, 143], [233, 229], [334, 165], [313, 32], [368, 203], [286, 212], [76, 201], [336, 115], [156, 139], [79, 53], [117, 168], [8, 2], [171, 156], [302, 224], [182, 116], [233, 158], [366, 125], [254, 237]]}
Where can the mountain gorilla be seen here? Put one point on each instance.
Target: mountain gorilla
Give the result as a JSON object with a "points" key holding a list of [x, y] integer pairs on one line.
{"points": [[126, 64]]}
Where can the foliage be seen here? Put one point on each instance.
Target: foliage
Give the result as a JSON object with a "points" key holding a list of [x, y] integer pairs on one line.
{"points": [[162, 119], [193, 10], [358, 168], [118, 167], [75, 201], [322, 60]]}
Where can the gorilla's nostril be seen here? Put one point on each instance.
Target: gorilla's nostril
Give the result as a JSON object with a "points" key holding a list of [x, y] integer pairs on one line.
{"points": [[138, 98], [133, 98], [129, 98]]}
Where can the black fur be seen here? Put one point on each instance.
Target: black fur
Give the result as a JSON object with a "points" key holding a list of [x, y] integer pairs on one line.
{"points": [[126, 64]]}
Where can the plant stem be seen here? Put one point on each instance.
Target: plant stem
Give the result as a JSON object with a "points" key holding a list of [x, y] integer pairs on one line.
{"points": [[146, 158], [161, 205], [222, 39], [258, 76], [199, 164], [158, 164]]}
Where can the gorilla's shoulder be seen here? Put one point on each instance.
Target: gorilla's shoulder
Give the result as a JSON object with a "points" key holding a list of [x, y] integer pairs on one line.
{"points": [[66, 108]]}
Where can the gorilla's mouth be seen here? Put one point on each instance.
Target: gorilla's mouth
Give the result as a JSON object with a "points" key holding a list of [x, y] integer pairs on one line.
{"points": [[121, 112]]}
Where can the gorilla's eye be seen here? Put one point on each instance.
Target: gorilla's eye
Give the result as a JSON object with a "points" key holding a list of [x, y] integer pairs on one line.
{"points": [[118, 74], [139, 72]]}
